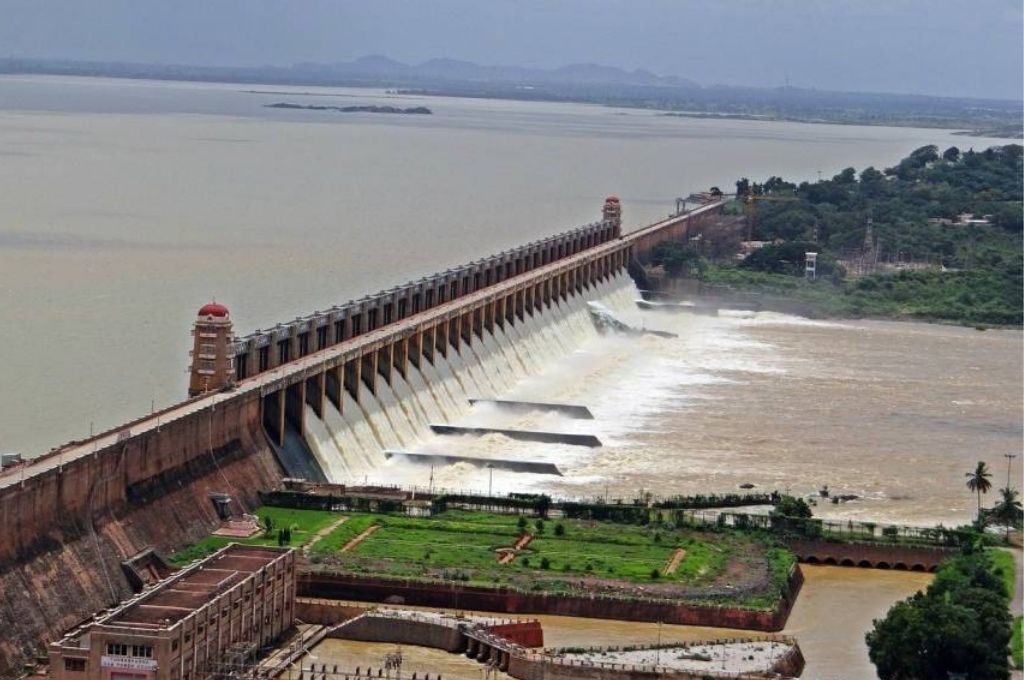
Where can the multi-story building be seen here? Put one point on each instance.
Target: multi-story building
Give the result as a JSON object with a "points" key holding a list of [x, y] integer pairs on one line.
{"points": [[218, 613]]}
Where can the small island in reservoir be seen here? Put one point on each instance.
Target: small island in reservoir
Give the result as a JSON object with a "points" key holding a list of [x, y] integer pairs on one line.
{"points": [[353, 109]]}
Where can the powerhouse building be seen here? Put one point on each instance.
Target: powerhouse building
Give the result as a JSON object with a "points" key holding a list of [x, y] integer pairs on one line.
{"points": [[206, 619]]}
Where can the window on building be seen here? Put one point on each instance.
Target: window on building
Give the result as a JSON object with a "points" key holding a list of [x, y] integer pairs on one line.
{"points": [[207, 348], [117, 649], [143, 651], [74, 665]]}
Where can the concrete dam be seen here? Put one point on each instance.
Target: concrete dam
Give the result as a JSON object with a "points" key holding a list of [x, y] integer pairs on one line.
{"points": [[330, 396]]}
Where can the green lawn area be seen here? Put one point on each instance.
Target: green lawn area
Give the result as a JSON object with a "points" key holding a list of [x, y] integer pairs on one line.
{"points": [[468, 541], [1003, 559], [304, 524], [336, 540], [1017, 645], [428, 546], [464, 545]]}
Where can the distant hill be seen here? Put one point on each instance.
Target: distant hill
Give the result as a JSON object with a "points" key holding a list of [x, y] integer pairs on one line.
{"points": [[466, 71], [591, 83]]}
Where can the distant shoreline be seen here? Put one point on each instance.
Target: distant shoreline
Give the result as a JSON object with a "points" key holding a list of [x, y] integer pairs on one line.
{"points": [[414, 110], [965, 116]]}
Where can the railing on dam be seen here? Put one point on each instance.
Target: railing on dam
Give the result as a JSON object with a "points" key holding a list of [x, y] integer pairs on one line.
{"points": [[264, 350]]}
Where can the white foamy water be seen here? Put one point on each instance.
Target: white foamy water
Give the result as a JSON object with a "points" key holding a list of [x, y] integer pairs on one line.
{"points": [[778, 401]]}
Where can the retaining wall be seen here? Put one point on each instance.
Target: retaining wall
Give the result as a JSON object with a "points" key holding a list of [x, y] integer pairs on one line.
{"points": [[370, 628], [523, 633], [323, 583]]}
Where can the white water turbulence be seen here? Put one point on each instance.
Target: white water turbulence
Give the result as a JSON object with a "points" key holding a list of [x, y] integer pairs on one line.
{"points": [[351, 446]]}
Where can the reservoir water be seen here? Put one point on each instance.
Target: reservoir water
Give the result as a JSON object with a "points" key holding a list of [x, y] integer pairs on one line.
{"points": [[128, 204]]}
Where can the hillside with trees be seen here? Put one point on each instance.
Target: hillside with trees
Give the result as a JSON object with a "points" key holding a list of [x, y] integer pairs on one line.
{"points": [[936, 237]]}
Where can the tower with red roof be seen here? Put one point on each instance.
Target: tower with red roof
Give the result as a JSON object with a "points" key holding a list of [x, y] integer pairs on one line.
{"points": [[213, 353]]}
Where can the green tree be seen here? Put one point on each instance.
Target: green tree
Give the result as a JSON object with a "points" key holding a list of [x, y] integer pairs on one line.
{"points": [[1008, 511], [539, 525], [959, 625], [790, 506], [559, 529], [678, 259], [521, 523], [266, 522], [978, 481]]}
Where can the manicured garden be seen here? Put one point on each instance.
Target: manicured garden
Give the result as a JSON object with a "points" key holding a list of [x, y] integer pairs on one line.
{"points": [[564, 555], [561, 555]]}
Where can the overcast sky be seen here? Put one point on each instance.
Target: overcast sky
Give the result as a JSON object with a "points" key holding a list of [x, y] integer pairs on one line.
{"points": [[942, 47]]}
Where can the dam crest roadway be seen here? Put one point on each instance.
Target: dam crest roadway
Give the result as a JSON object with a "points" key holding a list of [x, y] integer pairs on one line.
{"points": [[284, 389]]}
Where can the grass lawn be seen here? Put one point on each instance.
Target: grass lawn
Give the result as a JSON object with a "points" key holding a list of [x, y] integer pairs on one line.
{"points": [[469, 540], [304, 524], [566, 555], [336, 540], [1017, 645], [1003, 559], [463, 545]]}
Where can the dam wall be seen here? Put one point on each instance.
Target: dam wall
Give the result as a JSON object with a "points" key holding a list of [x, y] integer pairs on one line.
{"points": [[67, 532], [166, 479]]}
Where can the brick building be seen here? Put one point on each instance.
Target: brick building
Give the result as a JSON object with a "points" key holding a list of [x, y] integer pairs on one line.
{"points": [[192, 625]]}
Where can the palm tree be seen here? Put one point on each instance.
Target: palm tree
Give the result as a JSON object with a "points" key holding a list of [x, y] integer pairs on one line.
{"points": [[1008, 511], [977, 481]]}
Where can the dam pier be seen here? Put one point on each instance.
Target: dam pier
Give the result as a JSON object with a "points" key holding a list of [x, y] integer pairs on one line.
{"points": [[75, 516]]}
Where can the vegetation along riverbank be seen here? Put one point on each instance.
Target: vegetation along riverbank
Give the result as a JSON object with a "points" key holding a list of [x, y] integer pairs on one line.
{"points": [[936, 237]]}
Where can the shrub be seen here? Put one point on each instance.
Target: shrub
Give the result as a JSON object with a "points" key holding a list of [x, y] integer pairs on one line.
{"points": [[559, 529], [545, 563]]}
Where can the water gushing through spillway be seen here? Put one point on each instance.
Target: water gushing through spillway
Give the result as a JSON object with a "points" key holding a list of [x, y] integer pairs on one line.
{"points": [[350, 445]]}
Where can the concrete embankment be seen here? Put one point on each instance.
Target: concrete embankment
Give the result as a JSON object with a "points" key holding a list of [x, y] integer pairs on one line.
{"points": [[513, 646], [322, 583]]}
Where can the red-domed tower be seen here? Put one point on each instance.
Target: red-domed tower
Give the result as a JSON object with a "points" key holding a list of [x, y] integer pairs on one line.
{"points": [[613, 213], [213, 352]]}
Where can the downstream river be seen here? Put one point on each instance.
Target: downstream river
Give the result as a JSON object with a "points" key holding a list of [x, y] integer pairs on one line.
{"points": [[834, 610], [128, 204]]}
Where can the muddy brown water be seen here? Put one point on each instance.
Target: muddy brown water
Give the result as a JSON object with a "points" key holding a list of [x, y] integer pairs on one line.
{"points": [[832, 614]]}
